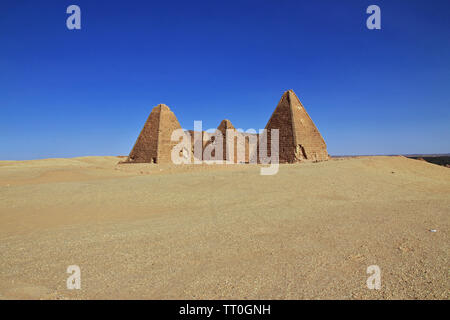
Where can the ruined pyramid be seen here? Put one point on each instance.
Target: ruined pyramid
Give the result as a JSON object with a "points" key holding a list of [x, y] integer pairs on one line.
{"points": [[299, 138], [153, 144]]}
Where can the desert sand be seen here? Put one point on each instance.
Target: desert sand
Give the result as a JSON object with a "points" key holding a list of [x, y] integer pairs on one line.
{"points": [[146, 231]]}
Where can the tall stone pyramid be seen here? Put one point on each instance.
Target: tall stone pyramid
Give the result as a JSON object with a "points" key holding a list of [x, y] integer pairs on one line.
{"points": [[299, 138], [154, 143]]}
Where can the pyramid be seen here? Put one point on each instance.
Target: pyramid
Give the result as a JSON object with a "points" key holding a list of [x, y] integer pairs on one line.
{"points": [[224, 125], [299, 139], [154, 143], [241, 140]]}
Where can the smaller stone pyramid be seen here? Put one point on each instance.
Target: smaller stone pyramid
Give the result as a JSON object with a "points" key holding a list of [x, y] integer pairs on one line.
{"points": [[154, 143], [223, 127]]}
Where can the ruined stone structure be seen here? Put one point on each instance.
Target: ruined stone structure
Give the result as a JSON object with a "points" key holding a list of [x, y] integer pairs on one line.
{"points": [[299, 139]]}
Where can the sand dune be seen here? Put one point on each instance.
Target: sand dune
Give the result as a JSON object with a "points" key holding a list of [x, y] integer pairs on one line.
{"points": [[158, 231]]}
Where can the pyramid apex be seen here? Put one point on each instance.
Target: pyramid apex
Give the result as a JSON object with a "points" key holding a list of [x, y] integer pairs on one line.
{"points": [[161, 107], [225, 124], [291, 97], [290, 91]]}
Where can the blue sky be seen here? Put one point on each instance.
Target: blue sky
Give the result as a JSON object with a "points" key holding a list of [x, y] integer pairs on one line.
{"points": [[66, 93]]}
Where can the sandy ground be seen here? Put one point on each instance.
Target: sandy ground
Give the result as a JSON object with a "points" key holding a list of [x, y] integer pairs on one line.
{"points": [[154, 232]]}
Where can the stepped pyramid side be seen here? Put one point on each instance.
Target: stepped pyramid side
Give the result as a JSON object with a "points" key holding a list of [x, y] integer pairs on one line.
{"points": [[153, 144], [299, 138], [307, 136]]}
